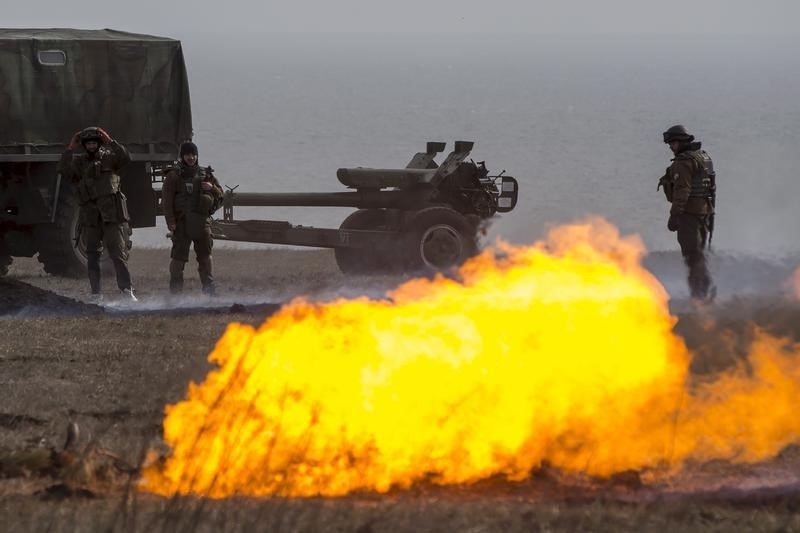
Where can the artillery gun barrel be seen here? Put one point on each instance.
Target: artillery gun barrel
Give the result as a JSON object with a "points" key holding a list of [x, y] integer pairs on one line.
{"points": [[359, 199]]}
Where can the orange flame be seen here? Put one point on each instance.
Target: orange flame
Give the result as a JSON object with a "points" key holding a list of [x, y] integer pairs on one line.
{"points": [[562, 351]]}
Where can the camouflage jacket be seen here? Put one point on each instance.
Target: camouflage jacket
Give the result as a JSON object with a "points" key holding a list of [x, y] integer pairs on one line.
{"points": [[691, 183], [94, 176], [182, 192]]}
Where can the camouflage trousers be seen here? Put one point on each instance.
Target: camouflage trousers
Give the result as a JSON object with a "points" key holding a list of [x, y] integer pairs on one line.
{"points": [[114, 237], [693, 237], [197, 233]]}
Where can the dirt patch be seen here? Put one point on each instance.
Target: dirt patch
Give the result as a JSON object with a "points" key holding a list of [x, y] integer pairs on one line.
{"points": [[18, 298]]}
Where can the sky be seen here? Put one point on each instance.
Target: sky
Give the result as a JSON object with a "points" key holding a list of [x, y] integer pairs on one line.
{"points": [[570, 17]]}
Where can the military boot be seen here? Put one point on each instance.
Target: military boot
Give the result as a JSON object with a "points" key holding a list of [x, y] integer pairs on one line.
{"points": [[129, 295], [176, 276], [699, 278], [93, 269], [206, 278], [96, 298]]}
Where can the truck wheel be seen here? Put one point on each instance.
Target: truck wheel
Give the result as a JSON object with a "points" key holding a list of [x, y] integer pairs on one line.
{"points": [[56, 242], [5, 262], [438, 239], [356, 261]]}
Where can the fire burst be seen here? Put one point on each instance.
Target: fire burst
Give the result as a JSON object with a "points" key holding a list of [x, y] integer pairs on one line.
{"points": [[561, 352]]}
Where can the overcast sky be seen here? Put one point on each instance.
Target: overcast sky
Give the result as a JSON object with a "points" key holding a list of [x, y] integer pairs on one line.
{"points": [[715, 17]]}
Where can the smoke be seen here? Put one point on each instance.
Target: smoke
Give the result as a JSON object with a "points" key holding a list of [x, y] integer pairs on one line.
{"points": [[734, 274], [374, 287]]}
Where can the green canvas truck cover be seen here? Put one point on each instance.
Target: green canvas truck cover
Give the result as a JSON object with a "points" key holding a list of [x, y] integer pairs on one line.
{"points": [[54, 82]]}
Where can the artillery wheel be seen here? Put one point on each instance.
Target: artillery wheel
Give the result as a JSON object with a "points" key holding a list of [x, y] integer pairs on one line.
{"points": [[438, 239], [56, 242], [357, 262]]}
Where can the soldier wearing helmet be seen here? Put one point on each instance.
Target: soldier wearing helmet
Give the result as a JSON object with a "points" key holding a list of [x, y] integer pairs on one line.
{"points": [[690, 186], [190, 196], [103, 215]]}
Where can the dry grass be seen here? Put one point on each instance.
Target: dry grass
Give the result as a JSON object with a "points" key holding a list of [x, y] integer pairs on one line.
{"points": [[114, 374], [407, 514]]}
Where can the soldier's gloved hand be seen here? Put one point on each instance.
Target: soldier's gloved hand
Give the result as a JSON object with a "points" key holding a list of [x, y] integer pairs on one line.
{"points": [[75, 141], [673, 223], [104, 136], [206, 185]]}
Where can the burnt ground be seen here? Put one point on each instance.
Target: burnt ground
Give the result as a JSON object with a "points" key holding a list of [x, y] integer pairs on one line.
{"points": [[112, 372], [20, 299]]}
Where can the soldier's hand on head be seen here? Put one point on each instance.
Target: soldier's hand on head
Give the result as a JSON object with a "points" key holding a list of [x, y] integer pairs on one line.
{"points": [[104, 135], [75, 141]]}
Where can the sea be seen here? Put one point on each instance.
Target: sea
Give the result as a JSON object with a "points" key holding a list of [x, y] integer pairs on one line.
{"points": [[576, 119]]}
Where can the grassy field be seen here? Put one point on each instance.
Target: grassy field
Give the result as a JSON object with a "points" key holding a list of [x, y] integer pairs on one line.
{"points": [[113, 374]]}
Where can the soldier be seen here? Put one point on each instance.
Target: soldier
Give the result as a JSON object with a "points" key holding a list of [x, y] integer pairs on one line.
{"points": [[690, 186], [191, 194], [103, 208]]}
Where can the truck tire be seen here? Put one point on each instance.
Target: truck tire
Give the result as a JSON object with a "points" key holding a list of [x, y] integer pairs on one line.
{"points": [[353, 261], [56, 241], [5, 262], [438, 239]]}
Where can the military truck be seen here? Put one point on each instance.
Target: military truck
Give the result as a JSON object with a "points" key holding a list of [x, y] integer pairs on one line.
{"points": [[54, 82]]}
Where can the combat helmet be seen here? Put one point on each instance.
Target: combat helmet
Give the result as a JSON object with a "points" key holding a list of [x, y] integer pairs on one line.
{"points": [[677, 133], [91, 134]]}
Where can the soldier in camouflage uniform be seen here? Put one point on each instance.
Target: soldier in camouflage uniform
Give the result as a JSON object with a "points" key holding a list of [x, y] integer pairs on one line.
{"points": [[690, 186], [104, 220], [190, 195]]}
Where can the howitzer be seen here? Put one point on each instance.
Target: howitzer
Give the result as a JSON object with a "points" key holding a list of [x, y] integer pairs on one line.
{"points": [[421, 217]]}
